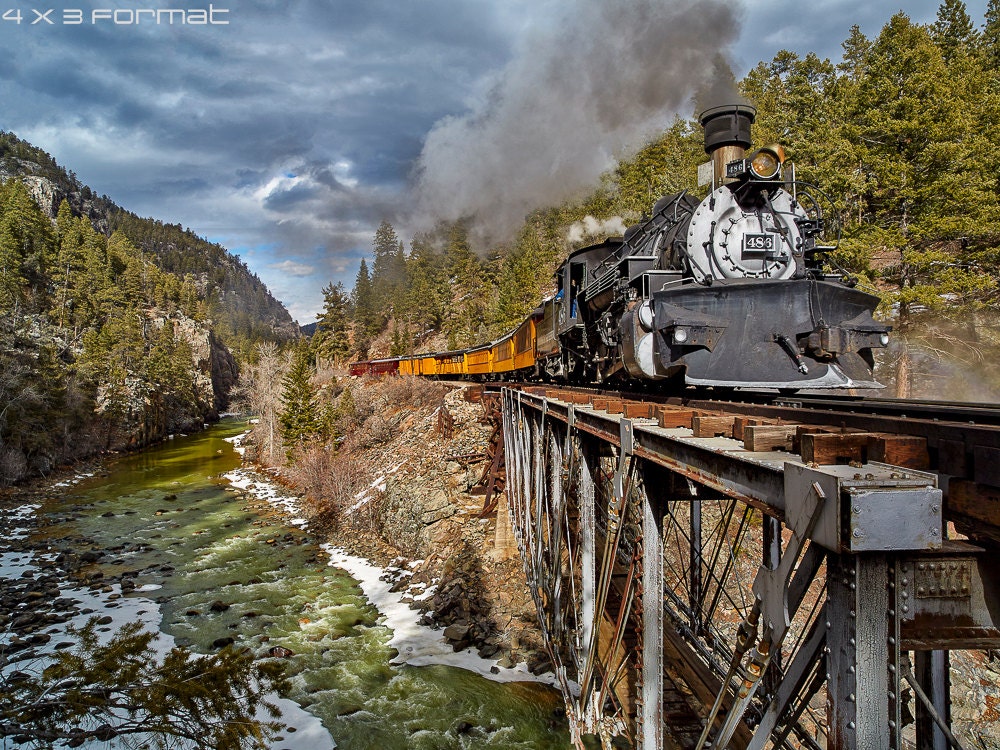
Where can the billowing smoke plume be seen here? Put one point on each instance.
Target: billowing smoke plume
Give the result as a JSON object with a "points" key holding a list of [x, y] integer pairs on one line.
{"points": [[590, 228], [587, 89]]}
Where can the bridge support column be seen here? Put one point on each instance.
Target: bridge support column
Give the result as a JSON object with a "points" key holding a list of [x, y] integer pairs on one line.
{"points": [[588, 551], [652, 627], [931, 671], [863, 654]]}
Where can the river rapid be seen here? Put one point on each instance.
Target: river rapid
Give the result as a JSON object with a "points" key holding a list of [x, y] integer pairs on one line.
{"points": [[168, 540]]}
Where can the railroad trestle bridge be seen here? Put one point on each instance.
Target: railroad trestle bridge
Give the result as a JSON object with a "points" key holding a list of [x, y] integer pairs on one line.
{"points": [[709, 579]]}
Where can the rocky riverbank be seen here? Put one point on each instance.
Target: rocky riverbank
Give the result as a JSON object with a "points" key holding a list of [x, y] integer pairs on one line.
{"points": [[417, 520], [48, 584]]}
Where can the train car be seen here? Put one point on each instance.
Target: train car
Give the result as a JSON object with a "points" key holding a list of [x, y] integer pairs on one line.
{"points": [[451, 364], [427, 365], [523, 342], [479, 362], [408, 366], [503, 355], [384, 367]]}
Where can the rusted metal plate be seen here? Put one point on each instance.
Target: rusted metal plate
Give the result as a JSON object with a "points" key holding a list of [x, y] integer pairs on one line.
{"points": [[948, 599], [949, 578], [885, 520]]}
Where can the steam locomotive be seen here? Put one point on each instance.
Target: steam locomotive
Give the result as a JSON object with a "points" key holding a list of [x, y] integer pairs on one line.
{"points": [[728, 292]]}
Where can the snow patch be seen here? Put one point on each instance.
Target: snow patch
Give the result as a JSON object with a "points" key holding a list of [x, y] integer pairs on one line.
{"points": [[419, 645]]}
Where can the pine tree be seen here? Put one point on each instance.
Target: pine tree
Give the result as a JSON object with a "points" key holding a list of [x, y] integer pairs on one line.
{"points": [[27, 249], [367, 322], [990, 37], [300, 414], [386, 268], [427, 291], [953, 31], [332, 340]]}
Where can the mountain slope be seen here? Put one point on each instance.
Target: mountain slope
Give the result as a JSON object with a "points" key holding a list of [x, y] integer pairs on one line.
{"points": [[237, 301]]}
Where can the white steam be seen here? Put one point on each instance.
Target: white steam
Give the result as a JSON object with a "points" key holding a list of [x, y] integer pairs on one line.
{"points": [[590, 227], [588, 88]]}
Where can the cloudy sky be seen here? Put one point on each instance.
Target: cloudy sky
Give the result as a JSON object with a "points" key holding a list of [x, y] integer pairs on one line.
{"points": [[287, 130]]}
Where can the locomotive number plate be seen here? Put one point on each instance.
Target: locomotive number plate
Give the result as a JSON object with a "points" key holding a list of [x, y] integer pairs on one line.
{"points": [[762, 242]]}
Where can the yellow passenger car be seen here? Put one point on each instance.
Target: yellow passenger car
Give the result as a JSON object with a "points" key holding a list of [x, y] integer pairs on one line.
{"points": [[479, 362]]}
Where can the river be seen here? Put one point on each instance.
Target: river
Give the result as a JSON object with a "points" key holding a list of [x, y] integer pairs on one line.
{"points": [[203, 561]]}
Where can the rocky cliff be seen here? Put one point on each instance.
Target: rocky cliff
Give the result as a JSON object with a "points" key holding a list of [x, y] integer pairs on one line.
{"points": [[149, 411]]}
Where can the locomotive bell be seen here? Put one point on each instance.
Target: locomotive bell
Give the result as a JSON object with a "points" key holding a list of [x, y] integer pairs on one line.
{"points": [[727, 135]]}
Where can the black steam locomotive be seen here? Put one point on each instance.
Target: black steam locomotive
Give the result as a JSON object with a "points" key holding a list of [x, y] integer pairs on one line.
{"points": [[726, 292]]}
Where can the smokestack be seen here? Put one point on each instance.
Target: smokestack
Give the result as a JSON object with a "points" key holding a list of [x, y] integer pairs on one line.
{"points": [[727, 135]]}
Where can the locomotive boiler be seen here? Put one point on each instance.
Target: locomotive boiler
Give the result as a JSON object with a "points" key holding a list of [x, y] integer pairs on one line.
{"points": [[729, 291]]}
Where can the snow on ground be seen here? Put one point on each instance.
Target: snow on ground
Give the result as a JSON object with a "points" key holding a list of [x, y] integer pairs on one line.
{"points": [[237, 441], [248, 481], [74, 480]]}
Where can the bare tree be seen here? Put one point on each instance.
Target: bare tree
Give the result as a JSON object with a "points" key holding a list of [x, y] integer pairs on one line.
{"points": [[263, 390]]}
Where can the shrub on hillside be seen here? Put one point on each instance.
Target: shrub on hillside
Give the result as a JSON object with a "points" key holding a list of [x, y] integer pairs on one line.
{"points": [[408, 391], [332, 481]]}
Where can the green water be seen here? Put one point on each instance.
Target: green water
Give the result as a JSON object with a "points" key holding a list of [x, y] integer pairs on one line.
{"points": [[166, 516]]}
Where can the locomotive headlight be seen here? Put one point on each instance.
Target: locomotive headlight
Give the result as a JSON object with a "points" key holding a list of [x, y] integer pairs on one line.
{"points": [[765, 164], [680, 335]]}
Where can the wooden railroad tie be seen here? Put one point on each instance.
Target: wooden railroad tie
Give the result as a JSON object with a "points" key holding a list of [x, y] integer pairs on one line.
{"points": [[769, 437], [615, 406], [862, 447], [669, 418], [638, 410], [742, 423], [712, 426]]}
